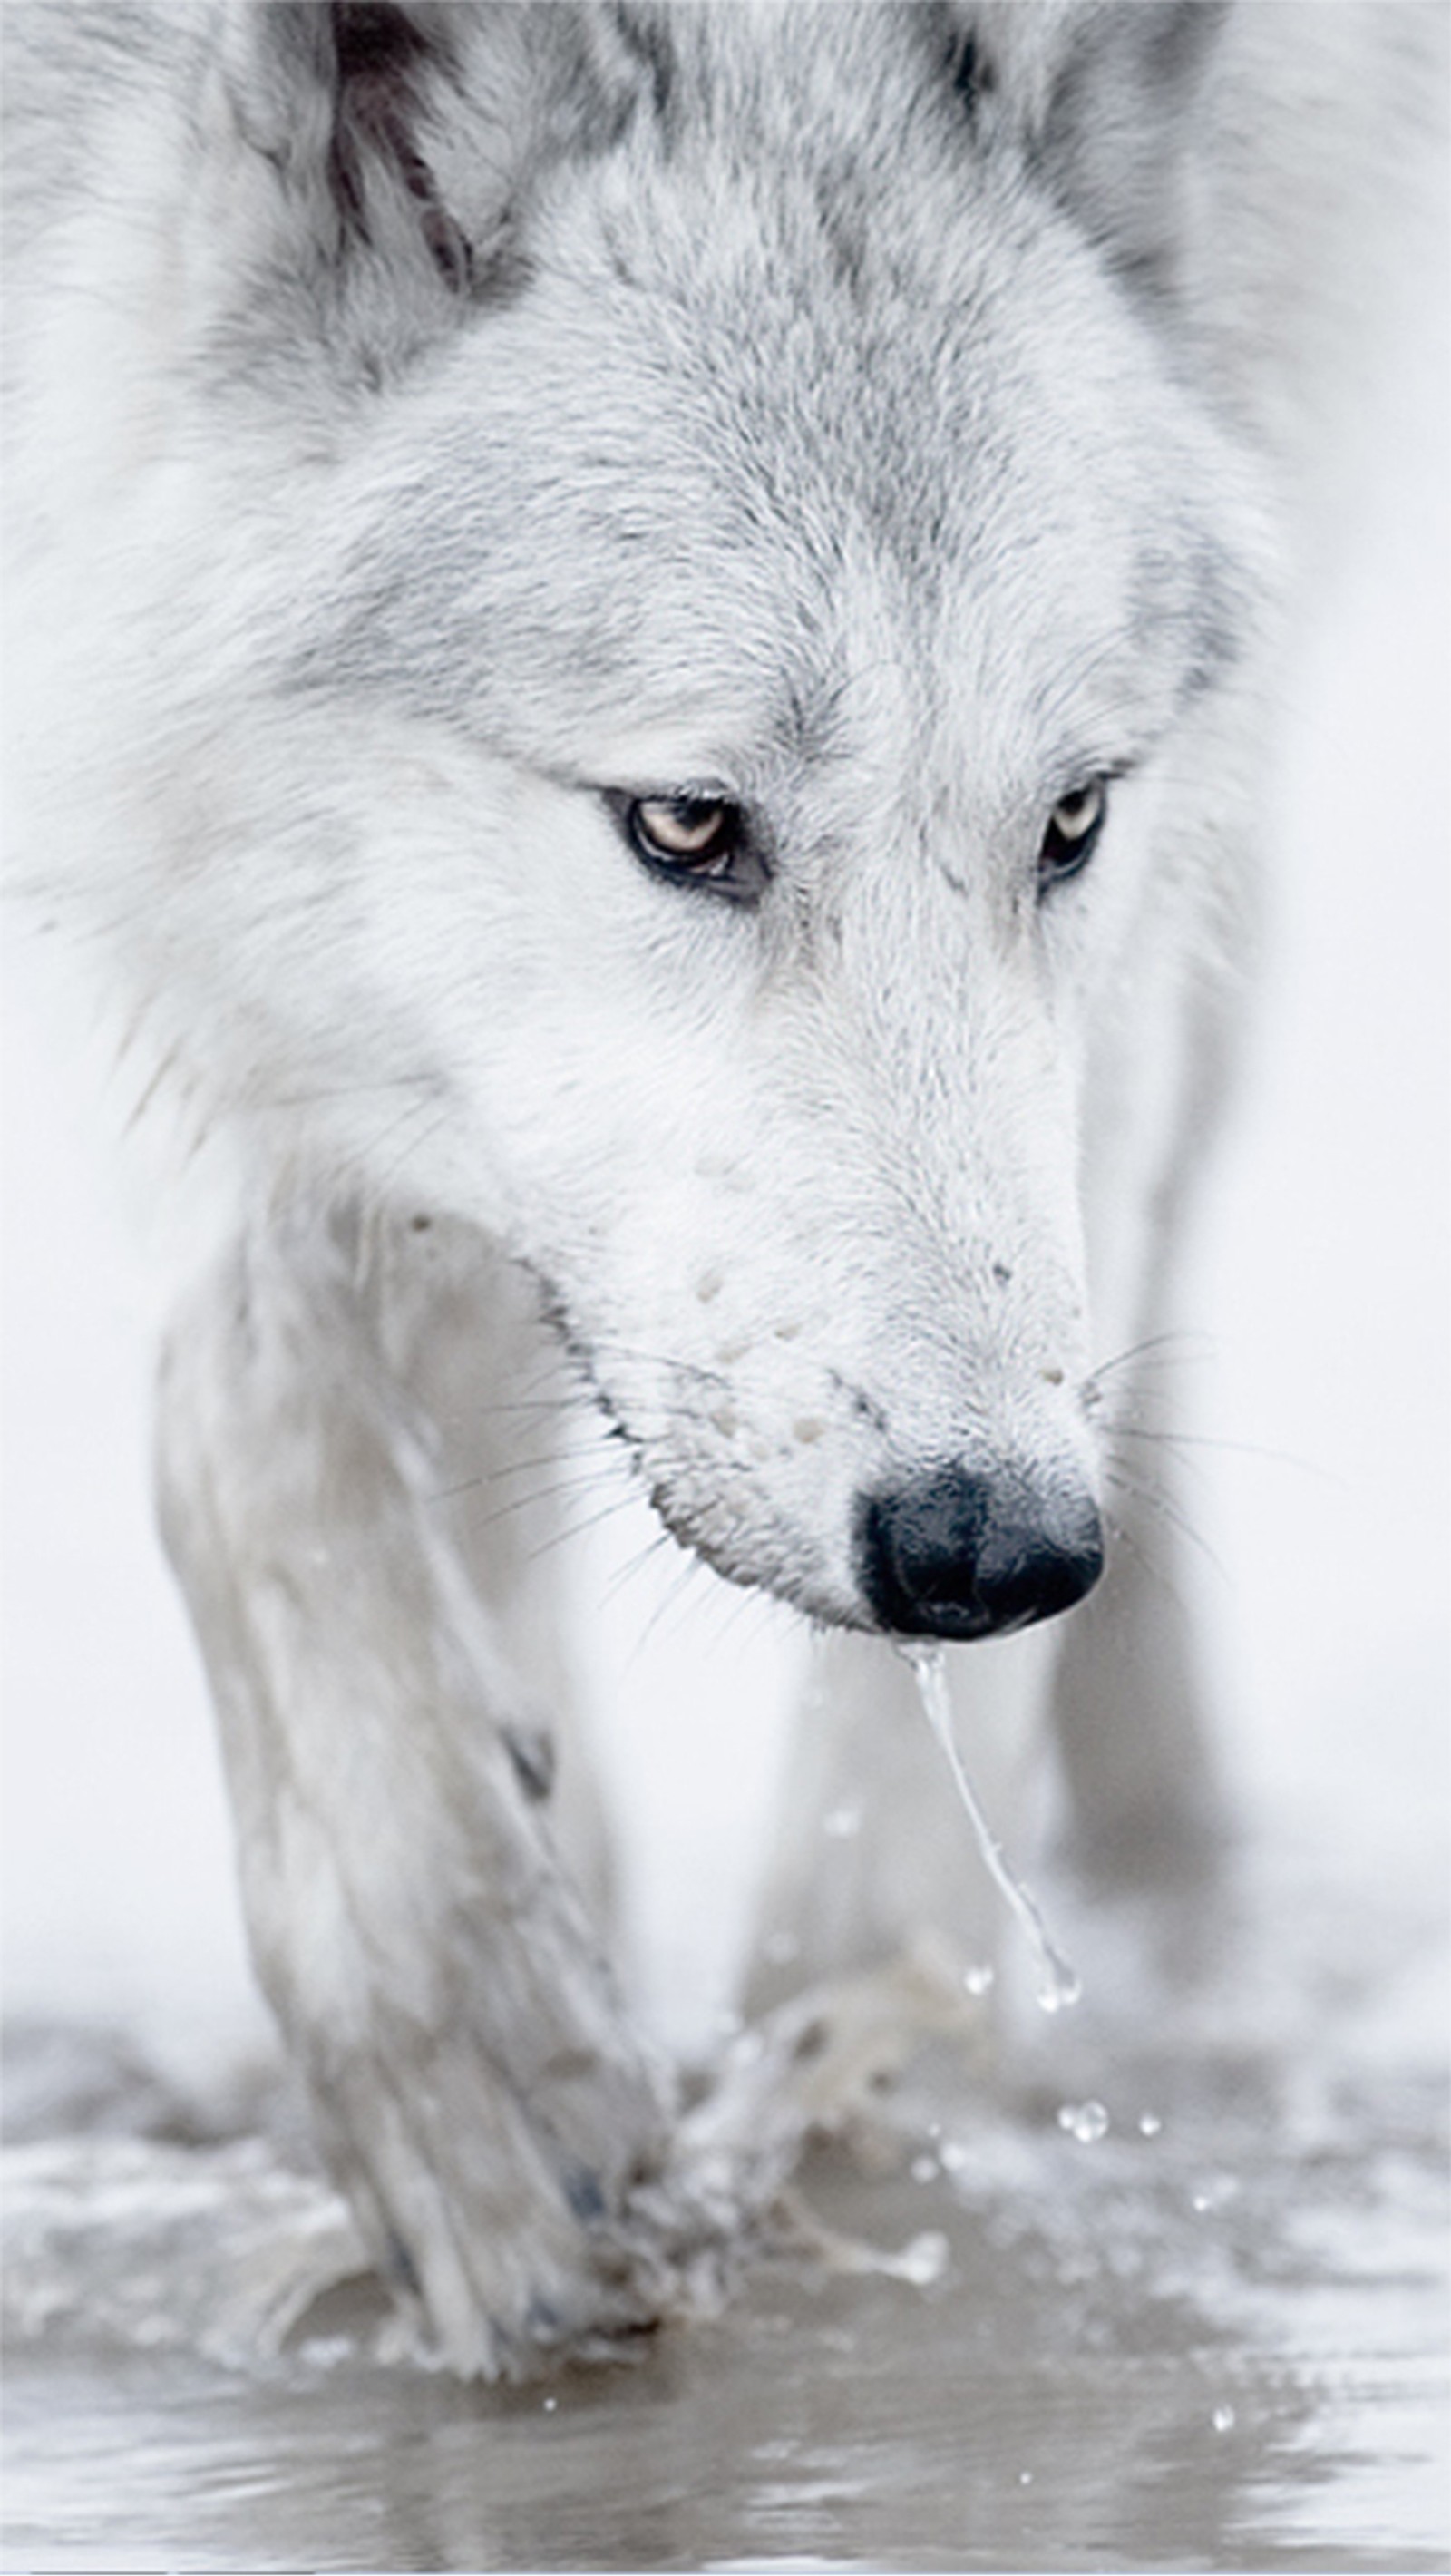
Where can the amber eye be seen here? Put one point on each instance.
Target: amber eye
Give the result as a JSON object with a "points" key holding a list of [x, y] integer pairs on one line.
{"points": [[697, 840], [685, 831], [1072, 832]]}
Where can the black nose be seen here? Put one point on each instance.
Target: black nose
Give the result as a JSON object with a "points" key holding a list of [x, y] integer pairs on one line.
{"points": [[959, 1555]]}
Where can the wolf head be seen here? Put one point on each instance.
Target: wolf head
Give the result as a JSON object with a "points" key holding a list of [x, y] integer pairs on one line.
{"points": [[724, 593]]}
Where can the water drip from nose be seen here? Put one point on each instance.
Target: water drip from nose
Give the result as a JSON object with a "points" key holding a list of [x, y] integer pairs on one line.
{"points": [[1059, 1983]]}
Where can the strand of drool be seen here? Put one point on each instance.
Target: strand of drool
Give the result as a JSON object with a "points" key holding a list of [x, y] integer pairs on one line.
{"points": [[1059, 1983]]}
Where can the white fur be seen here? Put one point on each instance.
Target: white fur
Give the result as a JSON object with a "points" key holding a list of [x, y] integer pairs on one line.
{"points": [[883, 461]]}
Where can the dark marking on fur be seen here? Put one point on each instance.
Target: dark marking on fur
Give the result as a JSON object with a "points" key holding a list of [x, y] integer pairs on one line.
{"points": [[374, 37], [449, 247], [864, 1406], [583, 2191], [377, 54], [811, 2042], [966, 65], [531, 1750], [554, 1316], [399, 2264], [647, 38], [968, 73], [375, 50]]}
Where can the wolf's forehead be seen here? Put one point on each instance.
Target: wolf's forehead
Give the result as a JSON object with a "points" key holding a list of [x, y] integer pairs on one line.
{"points": [[592, 545], [831, 73], [715, 456]]}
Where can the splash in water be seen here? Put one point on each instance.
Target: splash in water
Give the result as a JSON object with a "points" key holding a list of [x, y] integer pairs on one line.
{"points": [[1059, 1983]]}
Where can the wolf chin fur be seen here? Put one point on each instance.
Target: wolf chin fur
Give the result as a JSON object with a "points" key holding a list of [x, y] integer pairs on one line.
{"points": [[441, 437]]}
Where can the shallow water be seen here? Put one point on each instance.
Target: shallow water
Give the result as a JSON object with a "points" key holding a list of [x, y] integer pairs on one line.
{"points": [[1079, 2393], [1206, 2329]]}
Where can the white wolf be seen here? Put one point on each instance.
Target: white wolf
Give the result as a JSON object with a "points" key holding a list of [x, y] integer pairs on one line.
{"points": [[647, 637]]}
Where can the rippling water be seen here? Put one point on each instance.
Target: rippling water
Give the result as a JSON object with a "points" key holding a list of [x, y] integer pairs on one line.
{"points": [[1194, 2315]]}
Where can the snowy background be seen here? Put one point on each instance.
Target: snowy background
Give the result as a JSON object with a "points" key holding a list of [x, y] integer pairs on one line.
{"points": [[1323, 1297]]}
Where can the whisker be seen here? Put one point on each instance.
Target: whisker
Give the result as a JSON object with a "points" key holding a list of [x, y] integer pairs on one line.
{"points": [[1156, 1572], [1231, 1448], [1161, 1342], [746, 1602], [1155, 1500], [576, 1476], [578, 1529], [421, 1134], [671, 1601], [635, 1565]]}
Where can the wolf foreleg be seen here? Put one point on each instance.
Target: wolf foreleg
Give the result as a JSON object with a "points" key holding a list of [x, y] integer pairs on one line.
{"points": [[477, 2090]]}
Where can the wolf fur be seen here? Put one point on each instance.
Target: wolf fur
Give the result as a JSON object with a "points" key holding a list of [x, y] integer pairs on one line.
{"points": [[439, 434]]}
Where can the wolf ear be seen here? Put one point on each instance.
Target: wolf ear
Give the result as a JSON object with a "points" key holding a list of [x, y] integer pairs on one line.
{"points": [[376, 158], [1105, 93]]}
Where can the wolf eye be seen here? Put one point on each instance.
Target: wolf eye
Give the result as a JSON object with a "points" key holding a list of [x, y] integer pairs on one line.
{"points": [[699, 840], [691, 832], [1072, 832]]}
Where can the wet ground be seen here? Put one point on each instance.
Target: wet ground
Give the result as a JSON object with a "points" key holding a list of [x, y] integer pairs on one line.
{"points": [[1194, 2316]]}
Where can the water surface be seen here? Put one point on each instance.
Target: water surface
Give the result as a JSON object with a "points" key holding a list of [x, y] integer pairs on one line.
{"points": [[1194, 2316]]}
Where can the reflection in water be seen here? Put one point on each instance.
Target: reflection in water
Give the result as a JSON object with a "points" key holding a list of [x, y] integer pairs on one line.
{"points": [[1065, 2401], [1193, 2317]]}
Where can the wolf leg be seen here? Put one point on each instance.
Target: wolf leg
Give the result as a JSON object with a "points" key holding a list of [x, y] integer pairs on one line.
{"points": [[1144, 1798], [461, 1330], [477, 2090], [1145, 1804]]}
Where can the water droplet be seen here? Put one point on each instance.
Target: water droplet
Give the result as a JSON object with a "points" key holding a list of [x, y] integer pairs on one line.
{"points": [[550, 2404], [1222, 2419], [1059, 1984], [1216, 2193], [924, 2260], [1085, 2121], [1025, 2477], [952, 2155], [1149, 2124], [979, 1981], [924, 2168], [842, 1823]]}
